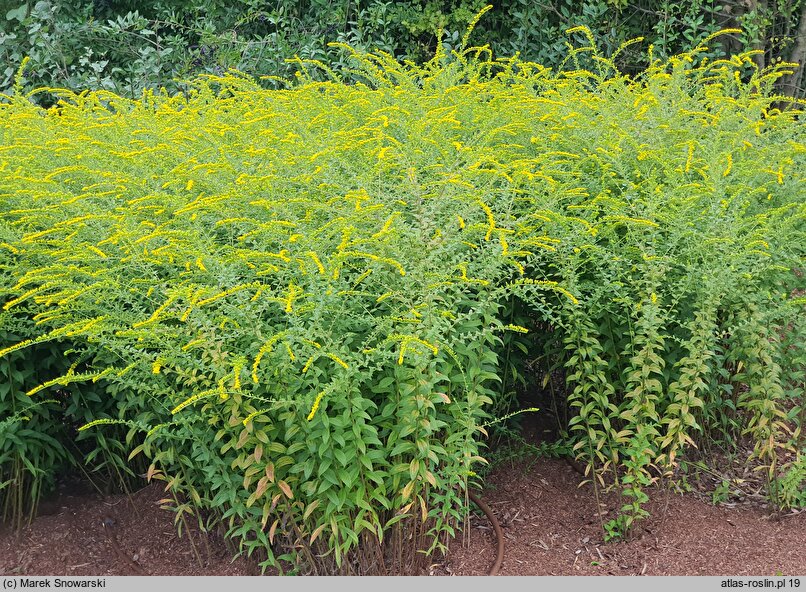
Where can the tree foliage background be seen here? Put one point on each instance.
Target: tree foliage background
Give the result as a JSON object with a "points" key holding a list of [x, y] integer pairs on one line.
{"points": [[128, 45]]}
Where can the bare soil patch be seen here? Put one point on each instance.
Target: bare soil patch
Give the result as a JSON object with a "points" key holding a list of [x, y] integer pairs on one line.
{"points": [[550, 524], [90, 535], [552, 527]]}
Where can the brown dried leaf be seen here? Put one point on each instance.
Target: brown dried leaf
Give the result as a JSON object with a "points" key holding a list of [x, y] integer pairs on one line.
{"points": [[286, 489], [152, 471], [262, 485], [242, 439], [429, 476], [272, 529], [317, 532], [270, 471], [274, 500], [406, 493], [311, 507], [423, 508]]}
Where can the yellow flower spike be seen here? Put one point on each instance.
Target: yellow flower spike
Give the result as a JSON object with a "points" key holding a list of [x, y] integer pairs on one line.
{"points": [[338, 360], [315, 406], [516, 328], [517, 265], [223, 324], [237, 368], [316, 260], [84, 328], [345, 238], [35, 390], [293, 291], [490, 220], [690, 156], [30, 238], [258, 293], [307, 365], [762, 243], [193, 399], [193, 300], [362, 277], [156, 367], [265, 349], [303, 269], [434, 349], [23, 297], [504, 244], [70, 378], [97, 251], [253, 415], [729, 167], [98, 422], [193, 343], [226, 293], [153, 430], [463, 268], [156, 314], [386, 226], [405, 340]]}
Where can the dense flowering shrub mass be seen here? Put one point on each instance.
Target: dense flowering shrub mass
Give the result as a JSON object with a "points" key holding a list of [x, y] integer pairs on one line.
{"points": [[301, 306]]}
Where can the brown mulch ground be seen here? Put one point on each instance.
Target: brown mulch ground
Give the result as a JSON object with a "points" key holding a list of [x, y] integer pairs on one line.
{"points": [[551, 527], [89, 535]]}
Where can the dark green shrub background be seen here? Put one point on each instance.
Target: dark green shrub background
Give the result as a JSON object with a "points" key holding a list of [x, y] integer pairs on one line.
{"points": [[126, 46]]}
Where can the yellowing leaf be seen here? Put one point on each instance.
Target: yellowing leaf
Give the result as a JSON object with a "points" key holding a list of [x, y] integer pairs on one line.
{"points": [[284, 487]]}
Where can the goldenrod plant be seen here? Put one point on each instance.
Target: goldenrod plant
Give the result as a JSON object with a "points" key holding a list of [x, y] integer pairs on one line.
{"points": [[298, 305]]}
